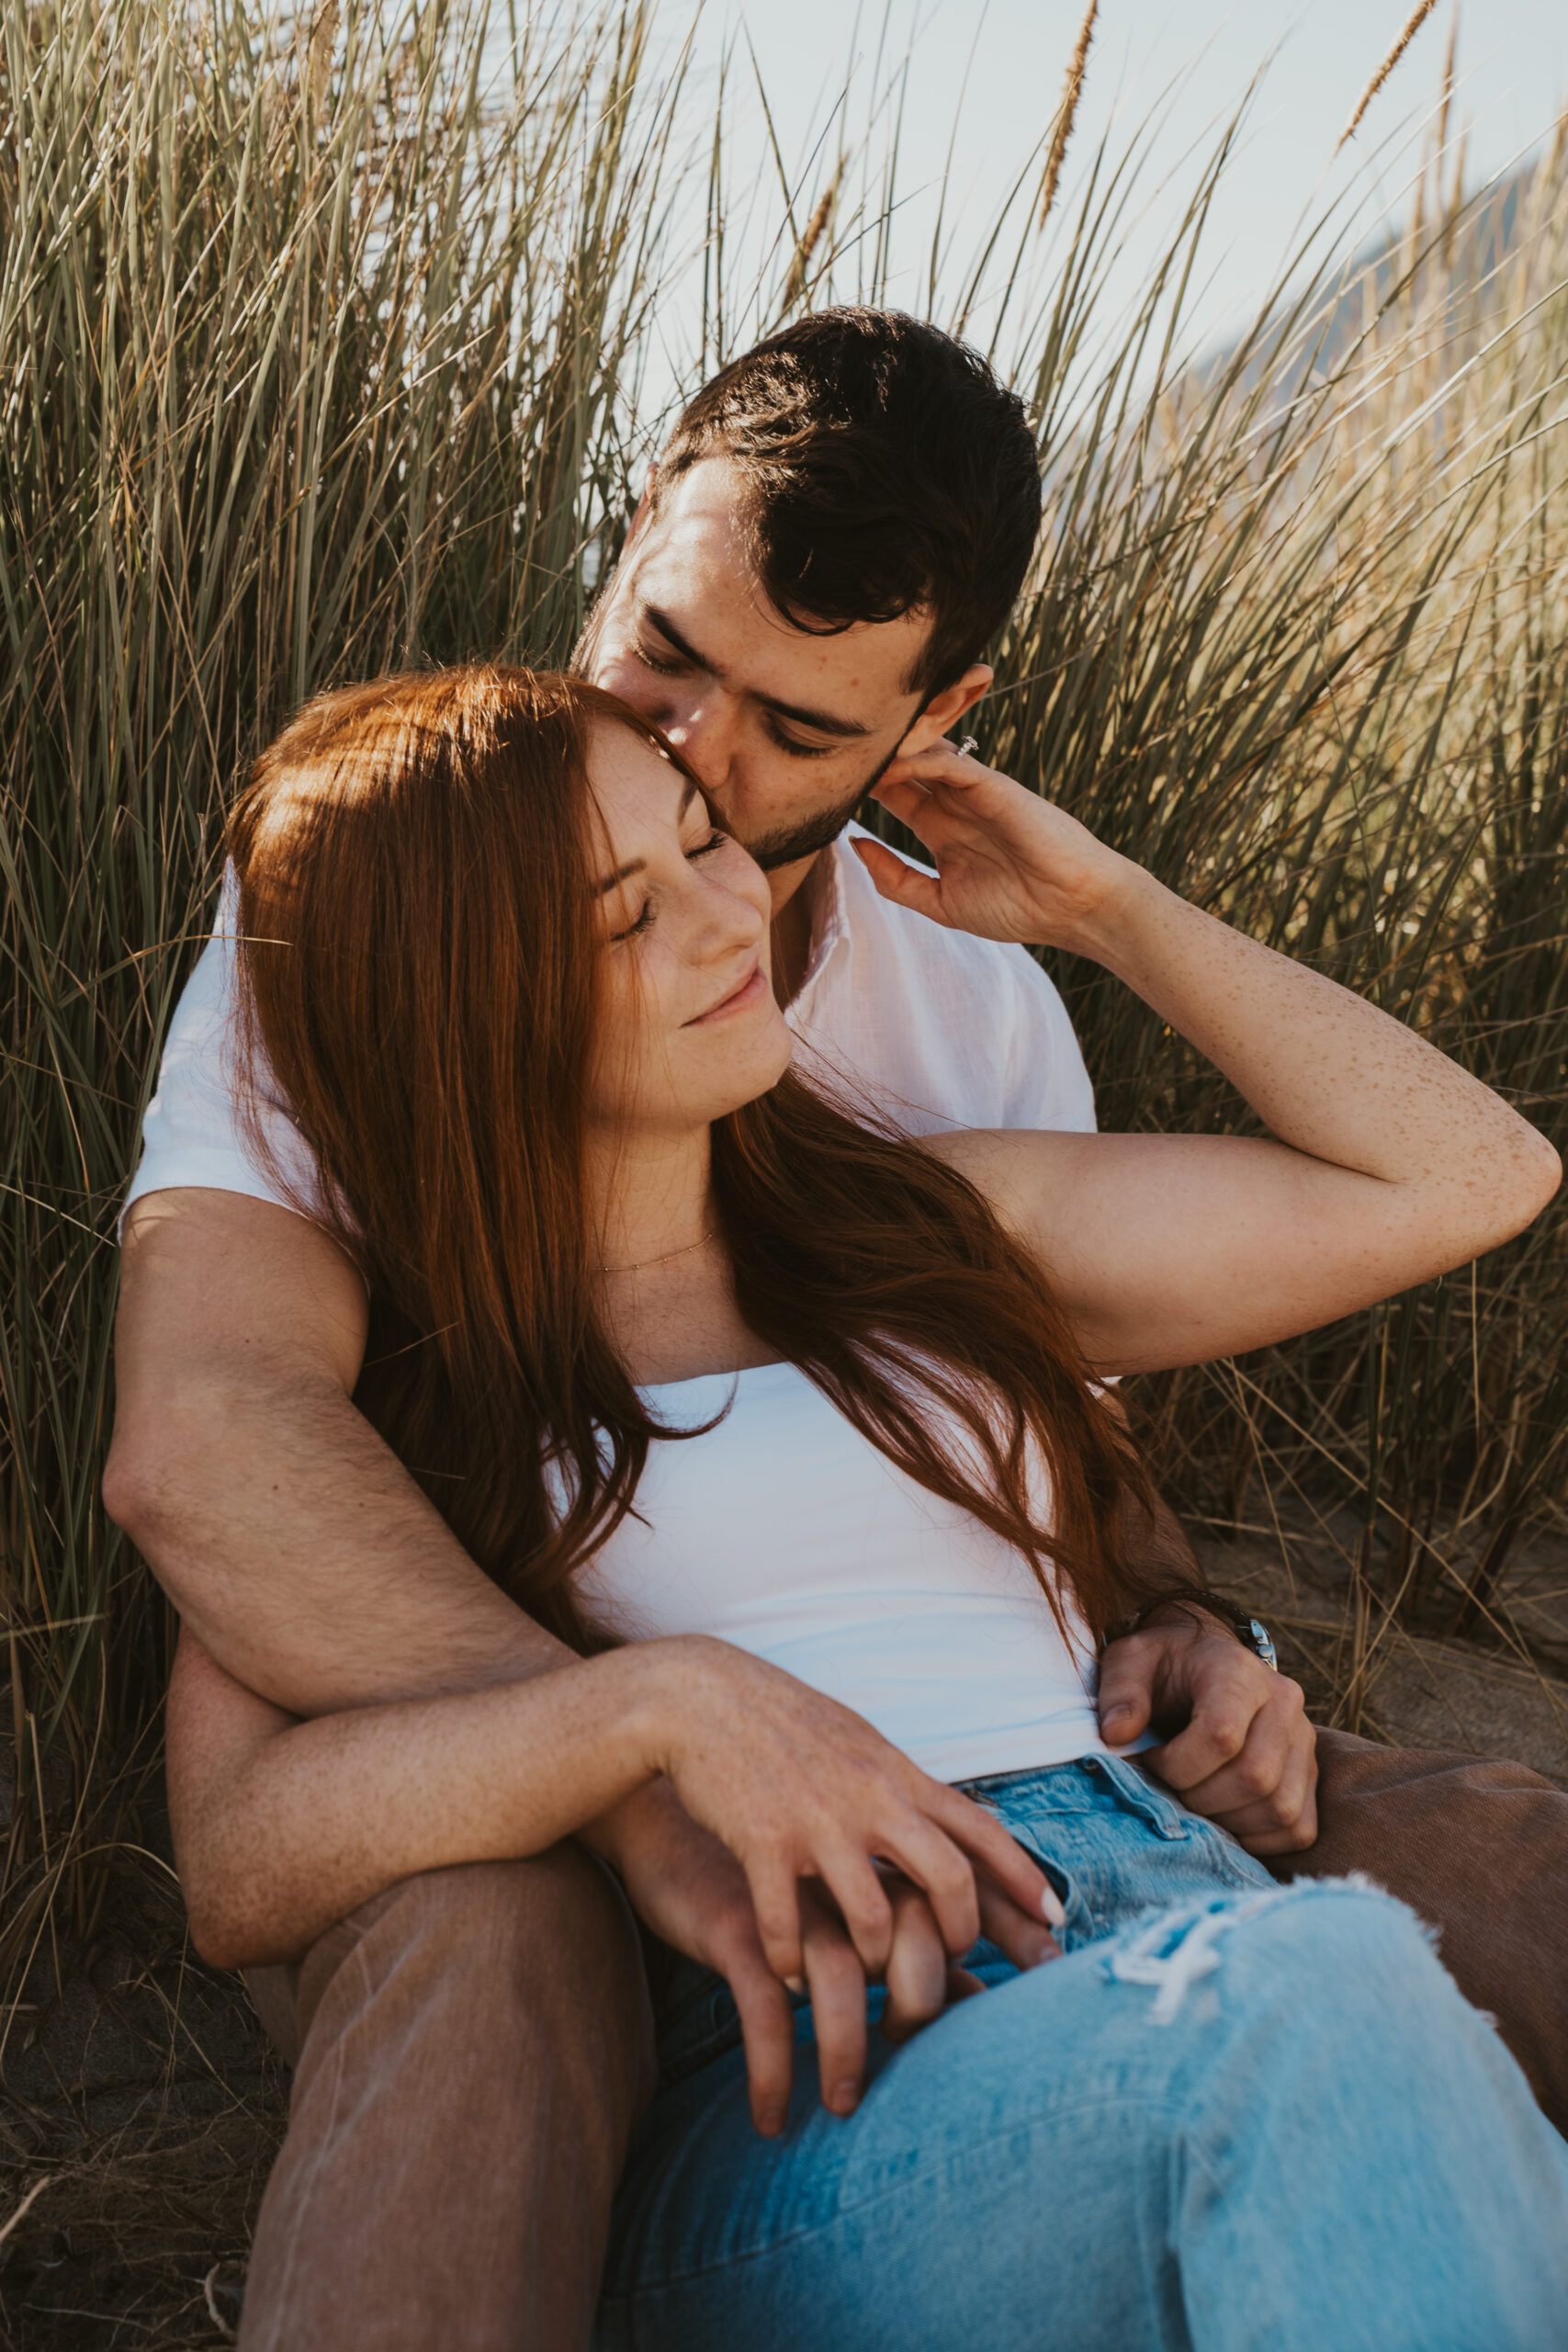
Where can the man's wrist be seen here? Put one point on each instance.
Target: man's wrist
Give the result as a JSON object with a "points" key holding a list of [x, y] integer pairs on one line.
{"points": [[1191, 1605], [614, 1835]]}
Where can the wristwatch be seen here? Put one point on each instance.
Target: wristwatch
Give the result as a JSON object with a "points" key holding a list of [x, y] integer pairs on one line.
{"points": [[1254, 1636]]}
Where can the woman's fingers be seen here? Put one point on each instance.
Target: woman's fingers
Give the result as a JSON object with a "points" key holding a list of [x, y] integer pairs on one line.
{"points": [[933, 808], [1021, 1935], [942, 764], [856, 1886], [944, 1844], [775, 1898], [904, 885], [987, 1842], [929, 1855]]}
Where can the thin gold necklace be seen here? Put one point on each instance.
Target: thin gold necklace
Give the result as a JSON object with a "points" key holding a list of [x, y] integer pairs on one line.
{"points": [[669, 1259]]}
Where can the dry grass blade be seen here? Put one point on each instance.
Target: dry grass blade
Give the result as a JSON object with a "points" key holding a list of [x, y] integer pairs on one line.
{"points": [[19, 2214], [1440, 136], [1408, 31], [811, 237], [1072, 90], [208, 2290]]}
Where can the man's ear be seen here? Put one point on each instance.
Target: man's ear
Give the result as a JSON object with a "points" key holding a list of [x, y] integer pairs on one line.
{"points": [[944, 710]]}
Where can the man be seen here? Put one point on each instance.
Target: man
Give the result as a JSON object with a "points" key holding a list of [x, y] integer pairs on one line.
{"points": [[835, 533]]}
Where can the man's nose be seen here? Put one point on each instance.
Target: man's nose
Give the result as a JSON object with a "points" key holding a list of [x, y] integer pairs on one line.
{"points": [[701, 727]]}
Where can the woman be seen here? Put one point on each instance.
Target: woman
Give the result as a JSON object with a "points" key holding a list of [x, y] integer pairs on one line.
{"points": [[724, 1387]]}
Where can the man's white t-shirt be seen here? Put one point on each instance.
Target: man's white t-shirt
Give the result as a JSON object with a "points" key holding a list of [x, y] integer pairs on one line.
{"points": [[932, 1028]]}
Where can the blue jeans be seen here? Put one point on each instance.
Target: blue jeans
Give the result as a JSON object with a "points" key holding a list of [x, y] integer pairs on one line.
{"points": [[1234, 2115]]}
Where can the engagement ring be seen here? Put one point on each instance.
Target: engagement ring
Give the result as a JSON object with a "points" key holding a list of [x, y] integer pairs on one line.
{"points": [[970, 743]]}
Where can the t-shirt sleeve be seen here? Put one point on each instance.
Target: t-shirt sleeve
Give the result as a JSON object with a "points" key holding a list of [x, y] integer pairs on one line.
{"points": [[1047, 1085], [193, 1133]]}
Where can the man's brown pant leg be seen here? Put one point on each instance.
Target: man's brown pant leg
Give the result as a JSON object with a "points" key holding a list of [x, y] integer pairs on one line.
{"points": [[1478, 1850], [471, 2049]]}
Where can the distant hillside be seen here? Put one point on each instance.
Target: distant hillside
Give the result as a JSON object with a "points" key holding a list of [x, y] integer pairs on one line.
{"points": [[1465, 250]]}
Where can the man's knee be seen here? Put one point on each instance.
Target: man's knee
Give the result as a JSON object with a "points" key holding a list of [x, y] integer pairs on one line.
{"points": [[557, 1916], [488, 2024], [540, 1949]]}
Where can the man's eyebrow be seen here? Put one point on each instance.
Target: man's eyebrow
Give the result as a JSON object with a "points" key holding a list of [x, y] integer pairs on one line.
{"points": [[640, 864], [822, 722]]}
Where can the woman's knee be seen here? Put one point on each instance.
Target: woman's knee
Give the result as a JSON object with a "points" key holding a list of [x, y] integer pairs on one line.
{"points": [[1347, 1933], [1343, 1967]]}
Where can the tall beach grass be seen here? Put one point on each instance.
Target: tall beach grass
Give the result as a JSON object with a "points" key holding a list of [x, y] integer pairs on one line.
{"points": [[331, 345]]}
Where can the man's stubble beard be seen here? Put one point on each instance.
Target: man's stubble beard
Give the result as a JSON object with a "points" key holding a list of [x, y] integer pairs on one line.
{"points": [[786, 844], [792, 845]]}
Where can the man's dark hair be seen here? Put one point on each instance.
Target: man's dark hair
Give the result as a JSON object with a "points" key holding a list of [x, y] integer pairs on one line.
{"points": [[884, 470]]}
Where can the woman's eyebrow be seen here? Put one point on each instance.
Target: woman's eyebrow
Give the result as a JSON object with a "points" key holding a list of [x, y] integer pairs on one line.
{"points": [[640, 864]]}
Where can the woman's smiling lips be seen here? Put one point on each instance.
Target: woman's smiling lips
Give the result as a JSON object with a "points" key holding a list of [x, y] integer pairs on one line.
{"points": [[741, 999]]}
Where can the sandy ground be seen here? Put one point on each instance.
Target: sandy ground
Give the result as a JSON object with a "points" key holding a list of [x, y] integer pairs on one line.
{"points": [[1505, 1694]]}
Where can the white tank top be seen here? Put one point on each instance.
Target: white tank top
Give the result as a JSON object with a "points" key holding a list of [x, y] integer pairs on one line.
{"points": [[786, 1531]]}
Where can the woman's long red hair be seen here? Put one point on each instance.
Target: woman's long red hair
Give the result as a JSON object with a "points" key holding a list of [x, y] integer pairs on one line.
{"points": [[418, 959]]}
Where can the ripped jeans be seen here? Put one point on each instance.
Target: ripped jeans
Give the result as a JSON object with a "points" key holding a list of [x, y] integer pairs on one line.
{"points": [[1235, 2116]]}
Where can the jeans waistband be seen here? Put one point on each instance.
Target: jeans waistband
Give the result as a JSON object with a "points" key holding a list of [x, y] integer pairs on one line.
{"points": [[1090, 1785]]}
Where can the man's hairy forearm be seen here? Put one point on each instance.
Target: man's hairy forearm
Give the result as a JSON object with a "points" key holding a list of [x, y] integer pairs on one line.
{"points": [[289, 1537], [310, 1565]]}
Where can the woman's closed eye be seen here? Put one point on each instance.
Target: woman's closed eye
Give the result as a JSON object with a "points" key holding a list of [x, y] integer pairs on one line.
{"points": [[645, 922]]}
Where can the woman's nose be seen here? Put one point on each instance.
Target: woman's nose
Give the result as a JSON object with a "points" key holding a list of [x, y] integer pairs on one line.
{"points": [[724, 919]]}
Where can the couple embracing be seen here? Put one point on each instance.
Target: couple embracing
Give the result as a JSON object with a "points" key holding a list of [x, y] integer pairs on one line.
{"points": [[687, 1710]]}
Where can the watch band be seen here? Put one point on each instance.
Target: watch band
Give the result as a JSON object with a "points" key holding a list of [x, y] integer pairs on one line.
{"points": [[1254, 1636]]}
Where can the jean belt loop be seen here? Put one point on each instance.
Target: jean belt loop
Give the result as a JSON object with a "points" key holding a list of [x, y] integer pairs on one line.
{"points": [[1139, 1794]]}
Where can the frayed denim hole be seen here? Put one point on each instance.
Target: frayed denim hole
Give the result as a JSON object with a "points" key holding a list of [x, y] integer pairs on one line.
{"points": [[1169, 1951], [1169, 1948]]}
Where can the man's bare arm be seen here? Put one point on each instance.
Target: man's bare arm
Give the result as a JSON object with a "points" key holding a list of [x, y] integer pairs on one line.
{"points": [[290, 1539]]}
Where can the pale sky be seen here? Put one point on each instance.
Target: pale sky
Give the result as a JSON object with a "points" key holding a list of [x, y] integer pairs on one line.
{"points": [[1512, 82]]}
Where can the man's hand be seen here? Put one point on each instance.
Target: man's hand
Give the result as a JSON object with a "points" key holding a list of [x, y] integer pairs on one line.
{"points": [[693, 1893], [1238, 1748]]}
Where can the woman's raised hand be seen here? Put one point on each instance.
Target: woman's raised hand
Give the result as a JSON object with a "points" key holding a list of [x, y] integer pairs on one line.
{"points": [[1009, 865]]}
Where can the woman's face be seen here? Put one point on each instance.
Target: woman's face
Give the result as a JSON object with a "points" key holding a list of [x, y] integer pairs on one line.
{"points": [[689, 1028]]}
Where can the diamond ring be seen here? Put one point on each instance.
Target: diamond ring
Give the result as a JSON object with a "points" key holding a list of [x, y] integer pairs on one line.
{"points": [[970, 743]]}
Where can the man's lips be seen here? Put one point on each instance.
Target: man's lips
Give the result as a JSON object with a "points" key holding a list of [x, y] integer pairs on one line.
{"points": [[739, 999]]}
